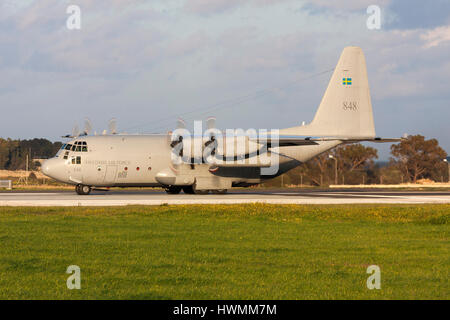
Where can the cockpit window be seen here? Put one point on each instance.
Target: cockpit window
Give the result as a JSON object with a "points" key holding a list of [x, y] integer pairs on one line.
{"points": [[77, 146]]}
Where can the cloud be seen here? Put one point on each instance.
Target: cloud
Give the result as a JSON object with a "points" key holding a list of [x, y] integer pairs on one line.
{"points": [[418, 14], [213, 7], [206, 7], [348, 5], [436, 36]]}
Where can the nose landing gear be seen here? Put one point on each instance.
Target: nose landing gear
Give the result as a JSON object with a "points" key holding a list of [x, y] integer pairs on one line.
{"points": [[82, 190]]}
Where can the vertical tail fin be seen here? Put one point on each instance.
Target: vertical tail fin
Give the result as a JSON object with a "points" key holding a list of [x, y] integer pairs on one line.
{"points": [[346, 107]]}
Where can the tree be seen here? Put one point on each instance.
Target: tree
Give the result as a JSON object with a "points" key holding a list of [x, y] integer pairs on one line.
{"points": [[316, 170], [13, 153], [356, 156], [418, 158], [354, 161]]}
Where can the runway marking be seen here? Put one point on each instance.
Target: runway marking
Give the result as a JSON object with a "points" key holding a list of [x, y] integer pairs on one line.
{"points": [[343, 194], [209, 201], [28, 194], [365, 195]]}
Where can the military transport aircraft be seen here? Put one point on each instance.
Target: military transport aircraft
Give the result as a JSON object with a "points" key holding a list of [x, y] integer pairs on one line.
{"points": [[170, 160]]}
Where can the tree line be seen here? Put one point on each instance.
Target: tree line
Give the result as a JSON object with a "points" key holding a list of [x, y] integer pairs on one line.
{"points": [[13, 153], [412, 159]]}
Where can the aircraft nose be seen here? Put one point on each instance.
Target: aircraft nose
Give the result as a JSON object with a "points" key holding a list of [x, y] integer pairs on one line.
{"points": [[45, 168], [53, 168]]}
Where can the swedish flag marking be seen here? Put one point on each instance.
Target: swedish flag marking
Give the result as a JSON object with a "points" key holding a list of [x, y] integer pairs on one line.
{"points": [[347, 81]]}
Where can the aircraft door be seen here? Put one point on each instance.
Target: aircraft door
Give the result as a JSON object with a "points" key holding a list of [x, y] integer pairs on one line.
{"points": [[110, 175]]}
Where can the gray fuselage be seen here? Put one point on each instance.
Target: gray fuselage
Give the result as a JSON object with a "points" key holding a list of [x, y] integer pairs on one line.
{"points": [[145, 161]]}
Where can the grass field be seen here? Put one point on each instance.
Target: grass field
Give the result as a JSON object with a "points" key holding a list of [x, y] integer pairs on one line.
{"points": [[226, 252]]}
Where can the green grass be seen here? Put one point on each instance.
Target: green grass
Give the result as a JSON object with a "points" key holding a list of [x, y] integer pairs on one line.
{"points": [[226, 252]]}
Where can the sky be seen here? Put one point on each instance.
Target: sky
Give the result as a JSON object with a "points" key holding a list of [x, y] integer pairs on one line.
{"points": [[251, 64]]}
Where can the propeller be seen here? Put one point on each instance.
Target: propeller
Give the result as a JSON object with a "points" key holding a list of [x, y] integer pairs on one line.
{"points": [[181, 124], [112, 126], [175, 144], [211, 123], [87, 127], [75, 132], [212, 142]]}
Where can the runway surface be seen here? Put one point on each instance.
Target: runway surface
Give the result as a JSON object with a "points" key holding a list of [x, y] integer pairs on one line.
{"points": [[149, 197]]}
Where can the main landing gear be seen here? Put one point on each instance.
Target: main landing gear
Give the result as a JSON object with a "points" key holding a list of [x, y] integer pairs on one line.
{"points": [[173, 190], [82, 190], [192, 190]]}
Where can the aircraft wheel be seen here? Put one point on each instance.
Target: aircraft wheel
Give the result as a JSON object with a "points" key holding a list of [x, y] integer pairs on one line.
{"points": [[173, 190], [83, 190], [220, 191], [191, 190], [188, 190]]}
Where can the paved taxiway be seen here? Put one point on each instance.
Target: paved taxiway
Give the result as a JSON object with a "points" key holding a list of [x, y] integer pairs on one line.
{"points": [[148, 197]]}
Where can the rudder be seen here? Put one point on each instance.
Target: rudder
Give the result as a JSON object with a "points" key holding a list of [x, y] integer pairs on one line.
{"points": [[346, 107]]}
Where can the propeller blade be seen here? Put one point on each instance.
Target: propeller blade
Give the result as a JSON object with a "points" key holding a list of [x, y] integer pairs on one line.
{"points": [[181, 124], [75, 131], [112, 126], [211, 123], [87, 126]]}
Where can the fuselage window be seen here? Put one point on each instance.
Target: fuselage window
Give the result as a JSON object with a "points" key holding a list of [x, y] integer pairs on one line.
{"points": [[66, 155], [78, 160], [73, 160]]}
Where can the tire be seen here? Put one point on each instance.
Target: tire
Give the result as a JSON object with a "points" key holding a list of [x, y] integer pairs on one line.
{"points": [[188, 190], [83, 190], [220, 191], [173, 190], [191, 190]]}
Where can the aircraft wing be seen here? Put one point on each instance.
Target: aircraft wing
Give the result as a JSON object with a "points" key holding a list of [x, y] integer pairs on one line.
{"points": [[285, 141]]}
